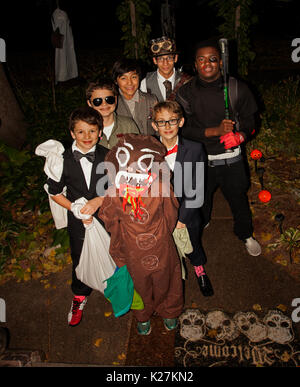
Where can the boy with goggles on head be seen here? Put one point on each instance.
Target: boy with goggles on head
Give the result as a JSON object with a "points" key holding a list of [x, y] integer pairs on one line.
{"points": [[166, 80], [103, 97]]}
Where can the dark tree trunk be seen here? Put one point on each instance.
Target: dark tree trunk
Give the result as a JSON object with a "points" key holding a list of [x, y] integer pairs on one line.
{"points": [[12, 124]]}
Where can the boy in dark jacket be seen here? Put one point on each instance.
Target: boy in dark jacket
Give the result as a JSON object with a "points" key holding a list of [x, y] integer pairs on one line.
{"points": [[79, 177], [186, 159]]}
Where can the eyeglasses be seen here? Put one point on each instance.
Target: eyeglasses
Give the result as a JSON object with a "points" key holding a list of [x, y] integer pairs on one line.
{"points": [[172, 122], [169, 58], [109, 99]]}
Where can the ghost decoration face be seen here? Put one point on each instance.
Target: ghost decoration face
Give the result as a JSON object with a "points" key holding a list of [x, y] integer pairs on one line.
{"points": [[279, 327], [225, 327], [250, 326], [192, 324], [133, 158]]}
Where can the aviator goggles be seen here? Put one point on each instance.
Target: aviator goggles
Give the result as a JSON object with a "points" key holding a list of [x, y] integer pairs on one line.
{"points": [[161, 43], [109, 99]]}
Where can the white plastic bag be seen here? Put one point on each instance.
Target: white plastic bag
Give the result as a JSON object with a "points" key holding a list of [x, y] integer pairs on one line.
{"points": [[59, 213], [95, 264], [52, 150]]}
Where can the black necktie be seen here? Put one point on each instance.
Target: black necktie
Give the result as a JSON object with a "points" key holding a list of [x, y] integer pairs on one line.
{"points": [[78, 155], [168, 86]]}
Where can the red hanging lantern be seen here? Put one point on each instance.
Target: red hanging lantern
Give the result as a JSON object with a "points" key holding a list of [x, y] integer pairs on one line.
{"points": [[264, 196], [256, 154]]}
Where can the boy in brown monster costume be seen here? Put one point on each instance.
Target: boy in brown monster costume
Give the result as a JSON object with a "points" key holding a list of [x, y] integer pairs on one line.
{"points": [[140, 212]]}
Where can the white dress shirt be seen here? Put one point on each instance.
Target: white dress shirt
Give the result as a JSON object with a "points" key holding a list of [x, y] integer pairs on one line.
{"points": [[86, 165], [160, 80], [170, 159]]}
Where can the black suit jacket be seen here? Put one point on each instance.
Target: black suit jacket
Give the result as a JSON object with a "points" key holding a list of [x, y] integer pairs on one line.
{"points": [[188, 180], [73, 178]]}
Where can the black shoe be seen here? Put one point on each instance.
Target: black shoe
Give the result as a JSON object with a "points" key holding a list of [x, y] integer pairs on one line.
{"points": [[205, 285]]}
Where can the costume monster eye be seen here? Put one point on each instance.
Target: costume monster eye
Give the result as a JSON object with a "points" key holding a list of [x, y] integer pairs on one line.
{"points": [[122, 156], [145, 162]]}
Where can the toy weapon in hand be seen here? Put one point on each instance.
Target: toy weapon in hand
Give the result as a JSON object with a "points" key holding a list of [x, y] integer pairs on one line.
{"points": [[225, 56]]}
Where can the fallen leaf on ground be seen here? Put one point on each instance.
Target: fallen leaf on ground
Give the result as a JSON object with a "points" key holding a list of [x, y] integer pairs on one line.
{"points": [[265, 237], [257, 307], [122, 356], [98, 342], [107, 314], [282, 307]]}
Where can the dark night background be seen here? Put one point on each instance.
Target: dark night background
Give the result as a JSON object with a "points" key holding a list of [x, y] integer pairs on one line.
{"points": [[25, 25]]}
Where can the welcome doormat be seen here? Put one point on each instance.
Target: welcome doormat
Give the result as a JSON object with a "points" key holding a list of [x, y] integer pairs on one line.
{"points": [[219, 339]]}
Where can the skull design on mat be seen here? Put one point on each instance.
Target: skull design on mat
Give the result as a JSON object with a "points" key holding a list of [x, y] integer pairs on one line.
{"points": [[250, 325], [192, 324], [279, 327], [224, 325]]}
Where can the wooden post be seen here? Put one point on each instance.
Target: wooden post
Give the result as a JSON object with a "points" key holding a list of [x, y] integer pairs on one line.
{"points": [[133, 26], [237, 22]]}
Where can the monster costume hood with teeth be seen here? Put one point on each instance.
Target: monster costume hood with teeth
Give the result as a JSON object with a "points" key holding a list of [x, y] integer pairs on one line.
{"points": [[140, 212], [137, 161]]}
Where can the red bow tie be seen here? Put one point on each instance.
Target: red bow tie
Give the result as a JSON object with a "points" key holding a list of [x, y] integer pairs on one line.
{"points": [[173, 150]]}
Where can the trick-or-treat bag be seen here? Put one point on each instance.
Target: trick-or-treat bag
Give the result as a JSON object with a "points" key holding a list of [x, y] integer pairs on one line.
{"points": [[121, 293], [95, 264]]}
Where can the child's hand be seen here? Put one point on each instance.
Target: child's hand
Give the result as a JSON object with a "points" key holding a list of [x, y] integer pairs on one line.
{"points": [[180, 225], [92, 206], [87, 221], [225, 127]]}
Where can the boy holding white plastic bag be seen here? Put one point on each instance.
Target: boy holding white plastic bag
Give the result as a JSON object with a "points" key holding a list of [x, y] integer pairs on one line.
{"points": [[73, 172]]}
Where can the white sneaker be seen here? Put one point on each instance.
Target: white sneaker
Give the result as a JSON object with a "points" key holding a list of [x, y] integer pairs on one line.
{"points": [[253, 247]]}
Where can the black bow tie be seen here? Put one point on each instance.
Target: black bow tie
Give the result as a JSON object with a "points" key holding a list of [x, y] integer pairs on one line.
{"points": [[78, 155]]}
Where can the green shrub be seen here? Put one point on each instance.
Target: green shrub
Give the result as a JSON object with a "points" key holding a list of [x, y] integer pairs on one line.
{"points": [[279, 132]]}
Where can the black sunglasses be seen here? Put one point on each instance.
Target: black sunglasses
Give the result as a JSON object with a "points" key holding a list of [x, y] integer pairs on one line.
{"points": [[98, 101]]}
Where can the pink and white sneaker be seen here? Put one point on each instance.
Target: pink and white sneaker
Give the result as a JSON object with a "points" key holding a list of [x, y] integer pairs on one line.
{"points": [[75, 314]]}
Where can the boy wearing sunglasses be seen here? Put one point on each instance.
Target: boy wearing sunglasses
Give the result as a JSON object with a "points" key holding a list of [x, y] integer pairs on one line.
{"points": [[103, 97], [188, 187]]}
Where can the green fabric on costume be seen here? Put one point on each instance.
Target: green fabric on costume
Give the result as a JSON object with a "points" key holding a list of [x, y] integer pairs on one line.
{"points": [[121, 293], [137, 302]]}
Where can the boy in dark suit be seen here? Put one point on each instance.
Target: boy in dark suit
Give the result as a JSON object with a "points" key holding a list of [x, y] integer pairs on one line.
{"points": [[186, 159], [80, 179]]}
